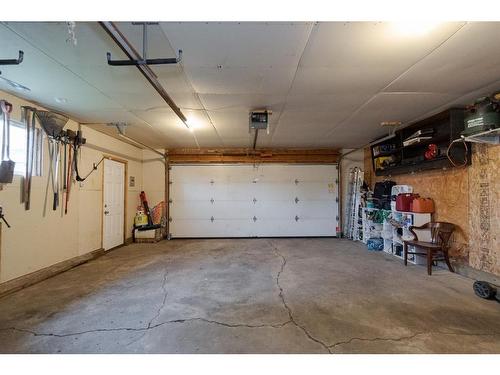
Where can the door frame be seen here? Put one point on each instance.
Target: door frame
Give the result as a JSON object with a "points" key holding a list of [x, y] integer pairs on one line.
{"points": [[125, 193]]}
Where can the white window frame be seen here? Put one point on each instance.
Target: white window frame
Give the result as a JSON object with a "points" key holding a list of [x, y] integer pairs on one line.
{"points": [[39, 150]]}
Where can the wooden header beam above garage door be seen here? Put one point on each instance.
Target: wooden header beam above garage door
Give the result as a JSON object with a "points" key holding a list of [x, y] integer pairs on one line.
{"points": [[242, 155]]}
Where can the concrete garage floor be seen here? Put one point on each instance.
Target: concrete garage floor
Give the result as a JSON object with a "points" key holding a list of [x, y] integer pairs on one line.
{"points": [[249, 296]]}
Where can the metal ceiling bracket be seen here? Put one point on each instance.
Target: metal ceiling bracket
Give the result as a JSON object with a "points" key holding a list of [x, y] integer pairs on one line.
{"points": [[17, 61], [163, 61], [144, 58], [120, 126], [146, 71]]}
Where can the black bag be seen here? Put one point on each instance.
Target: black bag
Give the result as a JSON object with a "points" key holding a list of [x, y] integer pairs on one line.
{"points": [[382, 190]]}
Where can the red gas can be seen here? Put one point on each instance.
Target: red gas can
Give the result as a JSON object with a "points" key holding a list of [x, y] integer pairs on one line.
{"points": [[403, 201], [422, 205]]}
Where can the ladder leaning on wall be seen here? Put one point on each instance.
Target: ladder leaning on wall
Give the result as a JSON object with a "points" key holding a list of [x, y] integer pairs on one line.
{"points": [[353, 223]]}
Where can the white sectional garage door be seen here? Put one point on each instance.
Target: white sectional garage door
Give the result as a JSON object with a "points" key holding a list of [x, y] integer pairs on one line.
{"points": [[268, 200]]}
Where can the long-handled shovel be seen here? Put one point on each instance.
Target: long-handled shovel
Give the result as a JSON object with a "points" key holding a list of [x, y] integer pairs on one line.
{"points": [[29, 116], [7, 165]]}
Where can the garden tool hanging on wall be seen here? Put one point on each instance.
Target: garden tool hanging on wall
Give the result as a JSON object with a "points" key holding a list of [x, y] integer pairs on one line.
{"points": [[28, 118], [53, 124], [54, 156], [7, 165], [68, 178]]}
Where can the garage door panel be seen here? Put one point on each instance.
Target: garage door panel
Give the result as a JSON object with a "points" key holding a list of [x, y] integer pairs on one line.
{"points": [[238, 191], [201, 210], [217, 228], [195, 191], [318, 227], [233, 209], [191, 209], [274, 191], [277, 228], [317, 210], [300, 228], [316, 190], [247, 201], [275, 210], [289, 210]]}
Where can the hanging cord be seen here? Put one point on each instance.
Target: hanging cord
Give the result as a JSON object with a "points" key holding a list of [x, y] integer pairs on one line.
{"points": [[466, 148], [76, 147]]}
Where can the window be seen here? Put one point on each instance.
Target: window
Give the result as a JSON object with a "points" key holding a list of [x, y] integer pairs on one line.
{"points": [[18, 148]]}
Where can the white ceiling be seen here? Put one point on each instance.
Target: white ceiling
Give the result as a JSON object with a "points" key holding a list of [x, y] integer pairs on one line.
{"points": [[328, 84]]}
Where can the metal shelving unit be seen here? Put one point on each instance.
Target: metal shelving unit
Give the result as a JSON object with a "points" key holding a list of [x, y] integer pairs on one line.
{"points": [[393, 241]]}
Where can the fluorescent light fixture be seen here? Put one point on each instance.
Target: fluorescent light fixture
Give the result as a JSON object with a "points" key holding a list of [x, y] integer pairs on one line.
{"points": [[414, 27]]}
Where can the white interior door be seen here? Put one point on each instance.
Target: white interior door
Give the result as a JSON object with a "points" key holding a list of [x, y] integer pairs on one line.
{"points": [[114, 204], [271, 200]]}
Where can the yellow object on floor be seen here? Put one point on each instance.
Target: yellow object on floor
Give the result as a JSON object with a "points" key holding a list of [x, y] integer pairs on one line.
{"points": [[140, 219]]}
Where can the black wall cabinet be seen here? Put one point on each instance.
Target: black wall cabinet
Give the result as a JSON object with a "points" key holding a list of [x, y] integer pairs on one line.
{"points": [[406, 152]]}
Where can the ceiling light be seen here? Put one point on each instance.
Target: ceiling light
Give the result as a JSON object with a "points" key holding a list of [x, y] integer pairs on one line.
{"points": [[15, 85], [192, 124], [61, 100], [414, 27]]}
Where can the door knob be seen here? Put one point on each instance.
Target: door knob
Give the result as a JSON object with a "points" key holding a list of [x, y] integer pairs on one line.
{"points": [[106, 212]]}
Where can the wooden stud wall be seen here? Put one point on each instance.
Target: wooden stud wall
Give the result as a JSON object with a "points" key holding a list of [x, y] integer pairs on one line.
{"points": [[468, 197], [241, 155]]}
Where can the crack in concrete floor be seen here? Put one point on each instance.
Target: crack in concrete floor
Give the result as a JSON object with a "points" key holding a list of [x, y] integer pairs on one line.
{"points": [[329, 348], [404, 338], [141, 329], [150, 324], [158, 312], [287, 307], [165, 294]]}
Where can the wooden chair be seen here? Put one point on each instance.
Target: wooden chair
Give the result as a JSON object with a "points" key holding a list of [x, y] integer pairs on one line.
{"points": [[440, 237]]}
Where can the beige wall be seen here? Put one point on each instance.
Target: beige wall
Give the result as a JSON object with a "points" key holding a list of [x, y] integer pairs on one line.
{"points": [[153, 177], [41, 237]]}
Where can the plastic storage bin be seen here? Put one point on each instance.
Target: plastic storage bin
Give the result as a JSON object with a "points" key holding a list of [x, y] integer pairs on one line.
{"points": [[375, 244]]}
